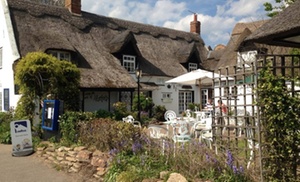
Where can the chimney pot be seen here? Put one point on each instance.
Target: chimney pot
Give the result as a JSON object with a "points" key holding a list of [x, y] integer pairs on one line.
{"points": [[74, 6]]}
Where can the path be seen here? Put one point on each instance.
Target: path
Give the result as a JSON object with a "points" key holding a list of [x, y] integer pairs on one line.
{"points": [[29, 169]]}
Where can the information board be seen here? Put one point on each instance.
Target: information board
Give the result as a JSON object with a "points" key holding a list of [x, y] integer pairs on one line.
{"points": [[21, 137]]}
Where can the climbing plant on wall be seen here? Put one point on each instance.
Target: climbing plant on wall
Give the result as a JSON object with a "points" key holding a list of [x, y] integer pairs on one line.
{"points": [[280, 124], [42, 76]]}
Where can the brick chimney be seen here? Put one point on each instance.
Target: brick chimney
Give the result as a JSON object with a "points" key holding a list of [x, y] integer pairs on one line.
{"points": [[195, 25], [74, 6]]}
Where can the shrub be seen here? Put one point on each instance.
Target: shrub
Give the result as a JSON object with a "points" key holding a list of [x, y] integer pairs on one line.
{"points": [[103, 114], [159, 112], [120, 110], [5, 119], [69, 128], [107, 134]]}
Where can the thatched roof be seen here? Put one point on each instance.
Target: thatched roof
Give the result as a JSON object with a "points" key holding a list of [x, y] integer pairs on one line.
{"points": [[214, 57], [239, 32], [283, 25], [95, 39]]}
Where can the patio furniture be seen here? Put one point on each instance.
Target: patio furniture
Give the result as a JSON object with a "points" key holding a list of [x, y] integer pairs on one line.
{"points": [[181, 133], [251, 144], [159, 133], [206, 133], [131, 120], [170, 119]]}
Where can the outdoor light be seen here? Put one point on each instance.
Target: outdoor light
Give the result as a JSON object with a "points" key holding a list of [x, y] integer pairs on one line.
{"points": [[138, 76]]}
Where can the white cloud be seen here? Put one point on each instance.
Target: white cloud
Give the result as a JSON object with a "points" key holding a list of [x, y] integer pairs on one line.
{"points": [[215, 28]]}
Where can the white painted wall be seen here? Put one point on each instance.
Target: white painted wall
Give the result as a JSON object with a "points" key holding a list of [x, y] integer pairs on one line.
{"points": [[172, 89], [9, 55]]}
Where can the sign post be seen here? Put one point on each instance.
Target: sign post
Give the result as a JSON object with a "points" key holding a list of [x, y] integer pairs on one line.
{"points": [[21, 138]]}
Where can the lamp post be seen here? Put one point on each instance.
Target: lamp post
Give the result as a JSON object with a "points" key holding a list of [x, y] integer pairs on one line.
{"points": [[138, 76]]}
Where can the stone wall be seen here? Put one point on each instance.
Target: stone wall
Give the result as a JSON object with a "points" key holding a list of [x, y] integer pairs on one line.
{"points": [[75, 160], [91, 164]]}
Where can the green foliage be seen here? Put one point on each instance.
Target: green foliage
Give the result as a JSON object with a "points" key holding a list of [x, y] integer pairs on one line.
{"points": [[193, 160], [106, 134], [130, 168], [5, 119], [274, 10], [68, 124], [39, 74], [120, 110], [25, 108], [103, 114], [146, 103], [159, 112], [281, 122]]}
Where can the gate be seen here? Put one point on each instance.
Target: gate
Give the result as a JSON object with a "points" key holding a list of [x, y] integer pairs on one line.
{"points": [[244, 130]]}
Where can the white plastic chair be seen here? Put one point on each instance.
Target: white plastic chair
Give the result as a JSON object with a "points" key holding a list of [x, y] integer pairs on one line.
{"points": [[181, 133], [206, 133], [170, 119], [130, 119], [251, 144], [170, 115], [159, 133]]}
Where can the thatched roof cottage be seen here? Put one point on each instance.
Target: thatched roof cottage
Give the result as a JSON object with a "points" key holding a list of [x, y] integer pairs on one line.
{"points": [[106, 50]]}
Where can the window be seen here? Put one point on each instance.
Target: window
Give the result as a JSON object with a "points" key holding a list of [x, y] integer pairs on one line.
{"points": [[246, 58], [166, 95], [129, 63], [6, 99], [0, 57], [193, 66], [61, 55]]}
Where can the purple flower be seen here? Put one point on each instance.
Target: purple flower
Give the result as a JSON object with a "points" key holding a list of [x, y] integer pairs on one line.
{"points": [[229, 160], [235, 170], [113, 151], [136, 147], [207, 156]]}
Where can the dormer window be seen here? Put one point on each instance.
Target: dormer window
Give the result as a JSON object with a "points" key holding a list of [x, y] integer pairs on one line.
{"points": [[192, 66], [129, 63], [61, 55]]}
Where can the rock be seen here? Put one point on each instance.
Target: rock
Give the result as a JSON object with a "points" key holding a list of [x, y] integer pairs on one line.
{"points": [[101, 171], [71, 159], [163, 174], [77, 149], [84, 156], [98, 162], [176, 177]]}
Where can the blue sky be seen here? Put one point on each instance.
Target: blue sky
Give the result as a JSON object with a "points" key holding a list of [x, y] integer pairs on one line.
{"points": [[217, 17]]}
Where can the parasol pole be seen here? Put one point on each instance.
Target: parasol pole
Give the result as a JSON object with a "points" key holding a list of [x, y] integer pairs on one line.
{"points": [[200, 93]]}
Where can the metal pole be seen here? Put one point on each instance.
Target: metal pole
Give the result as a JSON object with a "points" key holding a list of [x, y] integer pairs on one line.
{"points": [[139, 105]]}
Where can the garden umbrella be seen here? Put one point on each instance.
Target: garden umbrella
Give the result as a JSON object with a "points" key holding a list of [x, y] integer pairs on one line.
{"points": [[205, 77], [200, 75]]}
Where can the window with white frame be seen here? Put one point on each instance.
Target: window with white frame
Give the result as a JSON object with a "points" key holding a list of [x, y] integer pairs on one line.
{"points": [[61, 55], [129, 63], [0, 57], [193, 66]]}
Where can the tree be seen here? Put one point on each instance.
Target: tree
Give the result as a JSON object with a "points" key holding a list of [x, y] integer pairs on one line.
{"points": [[274, 10], [40, 76]]}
